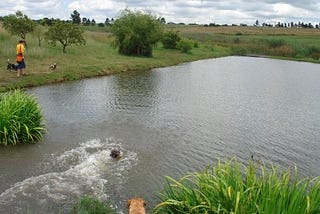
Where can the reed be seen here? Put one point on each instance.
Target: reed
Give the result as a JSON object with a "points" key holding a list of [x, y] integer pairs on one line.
{"points": [[21, 120], [90, 205], [231, 187]]}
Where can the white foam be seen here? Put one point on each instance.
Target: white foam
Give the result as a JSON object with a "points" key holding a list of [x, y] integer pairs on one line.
{"points": [[90, 168]]}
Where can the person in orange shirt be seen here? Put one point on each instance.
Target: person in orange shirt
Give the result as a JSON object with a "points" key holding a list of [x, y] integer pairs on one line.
{"points": [[20, 58]]}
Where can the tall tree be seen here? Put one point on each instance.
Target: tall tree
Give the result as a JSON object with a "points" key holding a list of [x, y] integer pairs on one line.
{"points": [[18, 24], [65, 33], [75, 16], [136, 33]]}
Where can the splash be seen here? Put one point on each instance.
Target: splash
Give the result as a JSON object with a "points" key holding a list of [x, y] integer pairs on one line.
{"points": [[90, 171]]}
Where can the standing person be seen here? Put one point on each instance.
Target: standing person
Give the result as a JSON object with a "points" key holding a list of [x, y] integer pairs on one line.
{"points": [[20, 58]]}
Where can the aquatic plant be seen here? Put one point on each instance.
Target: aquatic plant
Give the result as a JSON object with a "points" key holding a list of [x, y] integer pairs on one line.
{"points": [[90, 205], [231, 187], [21, 120]]}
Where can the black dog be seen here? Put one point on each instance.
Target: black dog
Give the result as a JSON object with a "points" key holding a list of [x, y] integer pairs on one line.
{"points": [[115, 153], [11, 67]]}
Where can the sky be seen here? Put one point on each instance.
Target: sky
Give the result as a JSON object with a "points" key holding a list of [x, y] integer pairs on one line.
{"points": [[177, 11]]}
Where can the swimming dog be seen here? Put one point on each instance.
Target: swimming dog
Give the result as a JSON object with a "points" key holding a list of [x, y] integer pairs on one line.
{"points": [[115, 153], [137, 206]]}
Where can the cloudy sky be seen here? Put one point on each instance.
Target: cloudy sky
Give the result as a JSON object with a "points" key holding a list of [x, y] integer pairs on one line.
{"points": [[186, 11]]}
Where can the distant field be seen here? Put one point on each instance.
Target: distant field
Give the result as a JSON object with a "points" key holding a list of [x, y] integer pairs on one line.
{"points": [[99, 58], [233, 30]]}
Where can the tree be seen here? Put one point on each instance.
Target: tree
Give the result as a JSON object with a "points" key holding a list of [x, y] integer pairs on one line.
{"points": [[107, 21], [93, 22], [75, 16], [136, 33], [65, 33], [18, 24], [39, 31]]}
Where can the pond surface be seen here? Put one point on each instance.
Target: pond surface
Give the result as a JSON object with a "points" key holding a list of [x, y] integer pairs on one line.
{"points": [[168, 121]]}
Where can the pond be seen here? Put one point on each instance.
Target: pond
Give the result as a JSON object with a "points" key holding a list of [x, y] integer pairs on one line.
{"points": [[168, 121]]}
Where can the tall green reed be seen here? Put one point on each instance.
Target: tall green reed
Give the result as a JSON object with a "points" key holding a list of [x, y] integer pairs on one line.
{"points": [[21, 120], [231, 187]]}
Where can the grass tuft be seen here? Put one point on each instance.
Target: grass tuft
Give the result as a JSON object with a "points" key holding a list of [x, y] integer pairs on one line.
{"points": [[231, 187], [21, 120]]}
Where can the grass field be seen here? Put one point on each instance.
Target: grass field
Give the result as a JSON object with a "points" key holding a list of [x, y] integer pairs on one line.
{"points": [[97, 57]]}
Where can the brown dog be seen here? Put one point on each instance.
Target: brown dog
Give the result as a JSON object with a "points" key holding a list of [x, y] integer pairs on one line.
{"points": [[137, 206]]}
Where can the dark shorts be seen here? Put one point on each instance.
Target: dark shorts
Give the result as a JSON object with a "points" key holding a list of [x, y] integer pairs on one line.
{"points": [[21, 65]]}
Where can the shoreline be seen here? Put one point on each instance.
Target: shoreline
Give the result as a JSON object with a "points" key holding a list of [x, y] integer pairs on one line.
{"points": [[106, 72]]}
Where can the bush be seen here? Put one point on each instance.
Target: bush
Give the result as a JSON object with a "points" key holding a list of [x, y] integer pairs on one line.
{"points": [[170, 40], [233, 188], [136, 33], [88, 205], [185, 45], [21, 120]]}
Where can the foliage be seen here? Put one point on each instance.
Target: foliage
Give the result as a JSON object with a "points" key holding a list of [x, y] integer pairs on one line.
{"points": [[18, 24], [185, 45], [75, 16], [233, 188], [170, 40], [65, 33], [21, 120], [88, 205], [38, 32], [136, 33]]}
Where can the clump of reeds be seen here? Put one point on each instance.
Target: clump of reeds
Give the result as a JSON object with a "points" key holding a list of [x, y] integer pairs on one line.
{"points": [[90, 205], [231, 187], [21, 120]]}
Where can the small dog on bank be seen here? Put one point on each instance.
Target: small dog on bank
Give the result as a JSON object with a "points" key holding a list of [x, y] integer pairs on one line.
{"points": [[11, 66], [53, 67], [137, 206], [115, 153]]}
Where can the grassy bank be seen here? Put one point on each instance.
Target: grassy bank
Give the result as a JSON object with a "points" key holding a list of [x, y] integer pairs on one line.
{"points": [[288, 43], [95, 59], [99, 58]]}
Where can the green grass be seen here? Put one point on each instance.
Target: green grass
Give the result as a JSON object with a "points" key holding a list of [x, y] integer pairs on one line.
{"points": [[98, 58], [89, 205], [230, 187], [21, 120]]}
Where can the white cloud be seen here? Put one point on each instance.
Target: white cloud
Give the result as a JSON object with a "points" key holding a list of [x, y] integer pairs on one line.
{"points": [[187, 11]]}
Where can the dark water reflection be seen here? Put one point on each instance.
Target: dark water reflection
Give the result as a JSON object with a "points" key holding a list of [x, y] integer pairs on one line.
{"points": [[169, 121]]}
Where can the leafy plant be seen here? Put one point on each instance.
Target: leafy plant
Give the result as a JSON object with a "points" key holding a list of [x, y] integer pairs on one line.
{"points": [[89, 205], [18, 24], [231, 187], [170, 40], [21, 120], [65, 33], [185, 45], [136, 33]]}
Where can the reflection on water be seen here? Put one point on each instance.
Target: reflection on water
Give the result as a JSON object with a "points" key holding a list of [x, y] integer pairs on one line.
{"points": [[168, 121]]}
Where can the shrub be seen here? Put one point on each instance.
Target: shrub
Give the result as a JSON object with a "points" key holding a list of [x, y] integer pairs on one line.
{"points": [[88, 205], [233, 188], [170, 40], [185, 45], [136, 33], [21, 120]]}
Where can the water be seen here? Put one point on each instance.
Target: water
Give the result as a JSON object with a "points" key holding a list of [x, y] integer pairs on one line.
{"points": [[167, 121]]}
